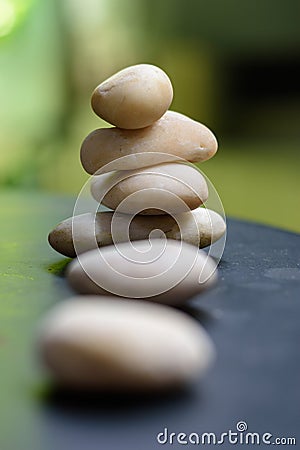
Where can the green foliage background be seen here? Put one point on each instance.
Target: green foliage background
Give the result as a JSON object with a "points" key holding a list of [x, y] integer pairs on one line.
{"points": [[231, 64]]}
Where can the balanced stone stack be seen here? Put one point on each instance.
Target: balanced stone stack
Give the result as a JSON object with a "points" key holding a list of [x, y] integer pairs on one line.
{"points": [[142, 172], [143, 160]]}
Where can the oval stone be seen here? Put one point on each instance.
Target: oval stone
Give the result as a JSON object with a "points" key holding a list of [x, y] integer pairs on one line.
{"points": [[102, 343], [174, 137], [133, 98], [166, 188], [95, 230], [161, 270], [210, 225]]}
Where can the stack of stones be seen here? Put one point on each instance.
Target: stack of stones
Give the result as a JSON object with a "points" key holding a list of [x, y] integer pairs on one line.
{"points": [[142, 172]]}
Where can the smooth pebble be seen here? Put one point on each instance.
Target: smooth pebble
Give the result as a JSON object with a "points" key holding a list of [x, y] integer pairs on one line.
{"points": [[172, 137], [200, 227], [166, 188], [161, 270], [103, 343], [133, 98]]}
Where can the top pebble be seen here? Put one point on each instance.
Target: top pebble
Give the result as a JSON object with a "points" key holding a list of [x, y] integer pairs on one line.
{"points": [[133, 98]]}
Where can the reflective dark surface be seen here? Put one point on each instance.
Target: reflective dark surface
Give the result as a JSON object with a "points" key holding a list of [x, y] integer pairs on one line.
{"points": [[252, 315]]}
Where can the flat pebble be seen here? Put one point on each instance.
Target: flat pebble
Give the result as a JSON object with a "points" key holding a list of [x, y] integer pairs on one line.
{"points": [[200, 227], [165, 188], [103, 343], [161, 270], [210, 225], [171, 137], [133, 98]]}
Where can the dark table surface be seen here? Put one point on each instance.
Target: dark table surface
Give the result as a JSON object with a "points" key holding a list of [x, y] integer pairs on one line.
{"points": [[252, 315]]}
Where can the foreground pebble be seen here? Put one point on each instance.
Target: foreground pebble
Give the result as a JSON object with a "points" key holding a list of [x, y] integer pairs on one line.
{"points": [[165, 188], [163, 271], [104, 343], [95, 230], [173, 136], [133, 98]]}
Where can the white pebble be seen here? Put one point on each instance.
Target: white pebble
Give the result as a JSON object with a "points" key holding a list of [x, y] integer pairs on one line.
{"points": [[161, 270], [165, 188], [105, 343]]}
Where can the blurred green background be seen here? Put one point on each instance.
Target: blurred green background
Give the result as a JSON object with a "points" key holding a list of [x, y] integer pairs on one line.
{"points": [[235, 65]]}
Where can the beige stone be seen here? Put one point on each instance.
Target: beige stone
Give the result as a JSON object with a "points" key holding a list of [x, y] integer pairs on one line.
{"points": [[210, 225], [116, 344], [133, 98], [92, 230], [163, 271], [165, 188], [172, 137]]}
